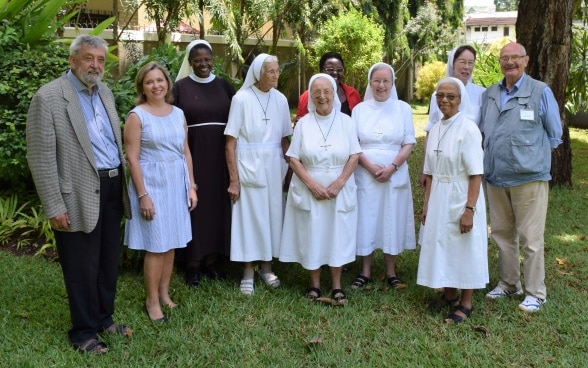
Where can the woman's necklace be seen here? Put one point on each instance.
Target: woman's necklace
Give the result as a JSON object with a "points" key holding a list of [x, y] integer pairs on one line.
{"points": [[325, 145], [269, 96], [438, 151]]}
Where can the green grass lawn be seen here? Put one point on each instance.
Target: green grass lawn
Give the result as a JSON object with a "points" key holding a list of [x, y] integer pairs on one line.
{"points": [[216, 326]]}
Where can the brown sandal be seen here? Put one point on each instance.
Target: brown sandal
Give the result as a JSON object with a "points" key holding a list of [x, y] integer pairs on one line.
{"points": [[119, 329], [91, 346]]}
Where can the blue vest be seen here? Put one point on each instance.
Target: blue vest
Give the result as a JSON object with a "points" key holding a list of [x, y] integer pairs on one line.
{"points": [[516, 150]]}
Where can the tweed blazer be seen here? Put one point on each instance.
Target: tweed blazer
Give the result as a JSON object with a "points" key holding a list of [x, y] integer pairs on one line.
{"points": [[60, 156]]}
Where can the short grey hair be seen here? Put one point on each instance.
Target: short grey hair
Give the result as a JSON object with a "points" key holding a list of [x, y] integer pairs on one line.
{"points": [[92, 41]]}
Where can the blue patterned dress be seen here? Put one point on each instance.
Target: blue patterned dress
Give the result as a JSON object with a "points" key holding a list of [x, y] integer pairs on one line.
{"points": [[166, 178]]}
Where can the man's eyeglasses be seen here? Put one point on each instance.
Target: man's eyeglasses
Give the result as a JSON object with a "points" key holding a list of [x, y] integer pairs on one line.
{"points": [[441, 96], [332, 70], [514, 58]]}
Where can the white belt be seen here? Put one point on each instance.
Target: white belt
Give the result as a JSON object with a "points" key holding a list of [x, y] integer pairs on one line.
{"points": [[392, 147], [449, 178], [259, 145], [324, 167], [204, 124]]}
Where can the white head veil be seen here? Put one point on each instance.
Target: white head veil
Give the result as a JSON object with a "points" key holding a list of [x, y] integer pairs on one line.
{"points": [[336, 101], [464, 106], [254, 72], [449, 71], [186, 68], [369, 92]]}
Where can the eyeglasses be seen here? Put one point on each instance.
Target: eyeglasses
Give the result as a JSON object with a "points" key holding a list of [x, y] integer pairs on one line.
{"points": [[332, 70], [463, 62], [377, 82], [441, 96], [514, 58], [272, 72]]}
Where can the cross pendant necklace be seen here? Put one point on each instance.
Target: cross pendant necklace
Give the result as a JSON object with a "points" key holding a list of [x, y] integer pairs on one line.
{"points": [[265, 118], [438, 151], [325, 145]]}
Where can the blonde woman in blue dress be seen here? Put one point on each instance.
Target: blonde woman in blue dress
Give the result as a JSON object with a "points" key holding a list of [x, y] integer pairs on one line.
{"points": [[162, 186]]}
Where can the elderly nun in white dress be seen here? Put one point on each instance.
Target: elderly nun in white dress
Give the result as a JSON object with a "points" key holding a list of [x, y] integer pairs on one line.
{"points": [[257, 137], [386, 134], [453, 237], [321, 211]]}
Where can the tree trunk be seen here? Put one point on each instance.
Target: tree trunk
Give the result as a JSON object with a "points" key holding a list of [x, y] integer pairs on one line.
{"points": [[544, 27]]}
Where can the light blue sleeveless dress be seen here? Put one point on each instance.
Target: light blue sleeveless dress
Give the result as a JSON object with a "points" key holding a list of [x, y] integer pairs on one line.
{"points": [[166, 178]]}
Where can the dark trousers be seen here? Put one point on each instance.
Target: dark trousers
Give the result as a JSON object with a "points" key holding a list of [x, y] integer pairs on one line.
{"points": [[89, 262]]}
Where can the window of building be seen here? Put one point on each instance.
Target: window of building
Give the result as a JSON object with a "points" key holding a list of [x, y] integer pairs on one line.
{"points": [[494, 29], [476, 29], [506, 31], [484, 29]]}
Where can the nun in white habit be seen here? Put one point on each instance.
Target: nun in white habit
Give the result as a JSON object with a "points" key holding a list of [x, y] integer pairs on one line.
{"points": [[257, 138], [453, 238], [321, 211]]}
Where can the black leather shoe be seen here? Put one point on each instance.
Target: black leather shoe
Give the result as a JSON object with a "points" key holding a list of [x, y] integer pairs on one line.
{"points": [[213, 273], [193, 277]]}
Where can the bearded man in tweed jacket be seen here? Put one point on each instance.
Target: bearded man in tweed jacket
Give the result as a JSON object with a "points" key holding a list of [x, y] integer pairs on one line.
{"points": [[74, 151]]}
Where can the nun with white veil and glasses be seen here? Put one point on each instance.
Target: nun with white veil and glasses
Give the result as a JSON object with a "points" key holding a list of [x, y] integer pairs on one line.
{"points": [[386, 134], [256, 142], [453, 237], [206, 99], [321, 211], [460, 65]]}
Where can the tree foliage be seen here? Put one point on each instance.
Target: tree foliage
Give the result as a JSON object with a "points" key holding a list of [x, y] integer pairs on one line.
{"points": [[357, 38], [167, 15], [506, 5]]}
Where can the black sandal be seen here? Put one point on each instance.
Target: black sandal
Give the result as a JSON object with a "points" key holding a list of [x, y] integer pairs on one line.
{"points": [[359, 282], [393, 281], [456, 318], [91, 346], [312, 297], [339, 296], [436, 305]]}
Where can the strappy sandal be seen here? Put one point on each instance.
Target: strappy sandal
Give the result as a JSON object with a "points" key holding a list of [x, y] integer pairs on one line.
{"points": [[91, 346], [393, 281], [246, 286], [313, 293], [270, 279], [339, 297], [456, 318], [436, 305], [359, 282], [119, 329]]}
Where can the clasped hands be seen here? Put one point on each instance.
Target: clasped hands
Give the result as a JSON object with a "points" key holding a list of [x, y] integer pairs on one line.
{"points": [[382, 174], [321, 193]]}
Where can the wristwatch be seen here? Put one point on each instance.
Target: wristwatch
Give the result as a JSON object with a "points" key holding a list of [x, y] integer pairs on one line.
{"points": [[471, 208]]}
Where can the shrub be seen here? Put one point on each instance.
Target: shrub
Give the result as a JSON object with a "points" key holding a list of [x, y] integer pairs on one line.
{"points": [[427, 80], [25, 70]]}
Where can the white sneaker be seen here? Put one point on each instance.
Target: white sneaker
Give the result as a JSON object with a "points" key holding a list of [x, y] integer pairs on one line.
{"points": [[531, 304], [498, 292]]}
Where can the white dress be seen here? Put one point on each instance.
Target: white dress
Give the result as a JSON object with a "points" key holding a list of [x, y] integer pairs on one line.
{"points": [[321, 232], [386, 215], [166, 178], [256, 225], [449, 258]]}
